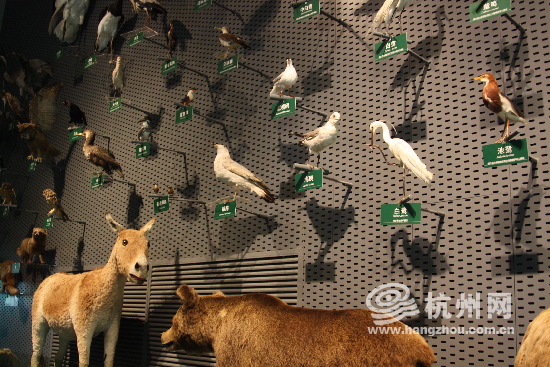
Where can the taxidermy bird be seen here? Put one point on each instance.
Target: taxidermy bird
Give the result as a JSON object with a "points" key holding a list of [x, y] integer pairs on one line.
{"points": [[110, 20], [144, 133], [54, 202], [150, 7], [99, 156], [73, 12], [30, 75], [39, 146], [320, 138], [75, 113], [170, 191], [500, 104], [237, 176], [171, 40], [8, 194], [230, 41], [118, 77], [403, 152], [43, 106], [285, 80], [156, 188], [386, 14], [190, 97]]}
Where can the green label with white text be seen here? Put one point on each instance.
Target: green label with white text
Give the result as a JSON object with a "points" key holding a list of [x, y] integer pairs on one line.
{"points": [[115, 105], [489, 8], [226, 65], [161, 204], [98, 181], [90, 61], [391, 47], [184, 114], [201, 4], [283, 108], [306, 10], [512, 152], [32, 166], [226, 210], [308, 180], [169, 65], [73, 136], [394, 214], [48, 222], [136, 39], [143, 150]]}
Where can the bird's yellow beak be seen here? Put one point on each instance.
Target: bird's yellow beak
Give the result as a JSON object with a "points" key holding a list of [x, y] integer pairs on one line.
{"points": [[78, 134], [477, 78]]}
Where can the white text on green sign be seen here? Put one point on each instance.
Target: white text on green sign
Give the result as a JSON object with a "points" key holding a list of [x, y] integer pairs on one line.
{"points": [[32, 166], [488, 9], [184, 114], [73, 136], [58, 54], [136, 39], [391, 47], [5, 211], [48, 222], [89, 61], [308, 180], [226, 210], [161, 204], [98, 181], [512, 152], [115, 105], [143, 150], [228, 64], [201, 4], [306, 10], [169, 66], [394, 214], [283, 108]]}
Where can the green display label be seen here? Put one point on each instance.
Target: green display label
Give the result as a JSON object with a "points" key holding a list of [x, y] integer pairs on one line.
{"points": [[90, 61], [98, 181], [489, 8], [32, 166], [169, 65], [307, 10], [394, 214], [512, 152], [58, 54], [48, 222], [226, 65], [184, 114], [308, 180], [391, 47], [143, 150], [16, 268], [5, 212], [201, 4], [226, 210], [161, 204], [136, 39], [73, 136], [115, 105], [283, 108]]}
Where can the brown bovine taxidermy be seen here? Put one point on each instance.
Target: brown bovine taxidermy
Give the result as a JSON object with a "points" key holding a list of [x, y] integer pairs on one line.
{"points": [[535, 347]]}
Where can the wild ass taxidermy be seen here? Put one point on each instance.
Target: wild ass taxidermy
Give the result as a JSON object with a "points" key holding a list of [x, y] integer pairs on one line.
{"points": [[81, 306]]}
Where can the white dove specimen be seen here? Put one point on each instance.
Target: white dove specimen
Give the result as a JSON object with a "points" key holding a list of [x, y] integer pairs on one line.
{"points": [[320, 138], [73, 12], [237, 176], [118, 77], [285, 80]]}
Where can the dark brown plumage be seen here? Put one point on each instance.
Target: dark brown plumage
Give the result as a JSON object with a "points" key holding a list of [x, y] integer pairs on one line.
{"points": [[38, 144], [43, 106], [230, 41], [75, 113], [99, 156], [171, 39]]}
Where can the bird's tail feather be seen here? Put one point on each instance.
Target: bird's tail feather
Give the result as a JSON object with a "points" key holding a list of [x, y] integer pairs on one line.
{"points": [[295, 133], [119, 171], [264, 193]]}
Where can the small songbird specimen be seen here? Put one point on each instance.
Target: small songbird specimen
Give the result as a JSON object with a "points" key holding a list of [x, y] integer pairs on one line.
{"points": [[171, 40], [230, 41], [150, 7], [144, 133], [110, 20], [285, 80], [75, 113], [99, 156], [500, 104], [190, 97], [237, 176], [8, 194], [320, 138], [118, 77], [403, 152], [73, 12], [54, 202], [156, 188], [170, 191], [386, 14]]}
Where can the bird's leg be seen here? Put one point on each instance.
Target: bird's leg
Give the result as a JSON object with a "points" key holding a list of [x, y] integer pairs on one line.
{"points": [[308, 159], [404, 181], [235, 194], [147, 19], [318, 160], [372, 146], [111, 53], [505, 132]]}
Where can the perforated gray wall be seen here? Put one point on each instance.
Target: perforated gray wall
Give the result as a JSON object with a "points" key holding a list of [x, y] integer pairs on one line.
{"points": [[493, 236]]}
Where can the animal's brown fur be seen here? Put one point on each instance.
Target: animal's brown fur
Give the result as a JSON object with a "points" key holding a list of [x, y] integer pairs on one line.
{"points": [[535, 347], [8, 193], [37, 142], [8, 359], [35, 245], [261, 330], [8, 280]]}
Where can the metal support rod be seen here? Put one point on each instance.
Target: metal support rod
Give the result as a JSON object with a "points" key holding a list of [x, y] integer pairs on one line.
{"points": [[156, 146], [298, 3], [511, 136], [109, 179], [277, 97], [8, 206], [324, 114], [516, 24], [340, 21], [209, 118], [385, 36], [405, 200], [307, 168], [441, 214], [256, 214], [414, 54], [177, 198], [180, 105]]}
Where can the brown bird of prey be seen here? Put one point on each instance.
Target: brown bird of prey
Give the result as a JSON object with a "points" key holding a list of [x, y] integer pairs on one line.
{"points": [[230, 41], [43, 106], [99, 156], [190, 97], [171, 40], [500, 104], [149, 7], [8, 194], [54, 202]]}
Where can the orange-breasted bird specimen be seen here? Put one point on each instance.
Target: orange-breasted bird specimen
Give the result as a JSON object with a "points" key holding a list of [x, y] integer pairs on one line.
{"points": [[171, 40], [170, 191], [230, 41], [500, 104], [156, 188]]}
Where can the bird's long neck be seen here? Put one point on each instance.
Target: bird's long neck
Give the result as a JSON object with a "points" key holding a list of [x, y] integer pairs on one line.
{"points": [[385, 133], [90, 139]]}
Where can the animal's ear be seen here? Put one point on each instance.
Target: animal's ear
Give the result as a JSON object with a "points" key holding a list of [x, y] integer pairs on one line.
{"points": [[189, 298], [218, 294], [146, 228], [115, 226]]}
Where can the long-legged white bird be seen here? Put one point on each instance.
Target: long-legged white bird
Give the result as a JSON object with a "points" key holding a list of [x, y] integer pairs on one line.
{"points": [[285, 80], [386, 14], [110, 20], [69, 16], [118, 77], [237, 176], [320, 138], [403, 152]]}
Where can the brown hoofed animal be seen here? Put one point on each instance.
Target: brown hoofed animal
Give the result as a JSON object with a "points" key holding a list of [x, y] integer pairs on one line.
{"points": [[37, 142], [8, 280], [8, 193], [261, 330], [8, 359], [35, 245], [535, 347], [81, 306]]}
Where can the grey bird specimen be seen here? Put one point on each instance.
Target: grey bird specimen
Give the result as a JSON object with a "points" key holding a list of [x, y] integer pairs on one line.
{"points": [[285, 80], [237, 176], [99, 156], [69, 16], [320, 138], [144, 133]]}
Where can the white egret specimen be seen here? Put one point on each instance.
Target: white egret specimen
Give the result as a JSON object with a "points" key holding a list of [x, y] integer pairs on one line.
{"points": [[386, 14], [403, 152]]}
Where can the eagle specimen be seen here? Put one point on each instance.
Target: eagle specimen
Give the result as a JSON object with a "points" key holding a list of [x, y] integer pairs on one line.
{"points": [[43, 106]]}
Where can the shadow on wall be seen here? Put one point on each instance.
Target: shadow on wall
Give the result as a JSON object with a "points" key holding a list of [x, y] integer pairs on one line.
{"points": [[419, 253]]}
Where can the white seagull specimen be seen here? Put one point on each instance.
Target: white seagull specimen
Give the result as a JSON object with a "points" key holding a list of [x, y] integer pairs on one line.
{"points": [[110, 20], [285, 80], [320, 138], [403, 152], [73, 12], [118, 77], [237, 176], [386, 14]]}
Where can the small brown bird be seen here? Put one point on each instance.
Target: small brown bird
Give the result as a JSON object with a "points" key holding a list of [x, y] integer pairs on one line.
{"points": [[99, 156], [156, 188], [170, 191], [500, 104], [230, 41], [190, 97], [54, 202], [171, 40], [8, 193]]}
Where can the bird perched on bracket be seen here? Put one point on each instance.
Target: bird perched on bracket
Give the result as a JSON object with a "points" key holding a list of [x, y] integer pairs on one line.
{"points": [[230, 41], [285, 80], [150, 7], [144, 133], [99, 156], [54, 202], [118, 77], [497, 102], [110, 20], [171, 39], [320, 138], [73, 12], [75, 113], [189, 98], [386, 14], [237, 176], [30, 76]]}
